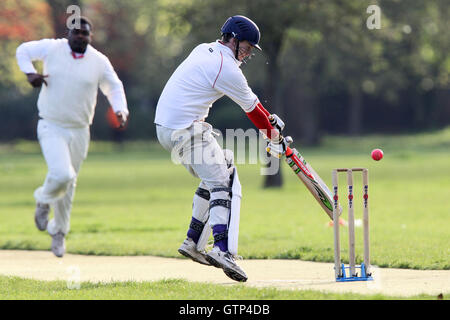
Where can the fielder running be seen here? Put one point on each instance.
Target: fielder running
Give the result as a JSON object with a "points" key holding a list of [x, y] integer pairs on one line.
{"points": [[73, 72], [208, 73]]}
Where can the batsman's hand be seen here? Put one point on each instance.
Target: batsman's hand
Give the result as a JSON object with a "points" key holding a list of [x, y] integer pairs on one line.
{"points": [[36, 79], [122, 118], [276, 122], [278, 148]]}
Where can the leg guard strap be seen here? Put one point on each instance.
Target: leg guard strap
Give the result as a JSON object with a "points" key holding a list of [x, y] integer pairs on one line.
{"points": [[220, 202], [196, 225], [220, 236], [220, 233], [203, 193], [195, 229], [221, 189]]}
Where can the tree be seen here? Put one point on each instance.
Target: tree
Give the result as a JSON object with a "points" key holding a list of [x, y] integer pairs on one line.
{"points": [[59, 15], [20, 21], [321, 69]]}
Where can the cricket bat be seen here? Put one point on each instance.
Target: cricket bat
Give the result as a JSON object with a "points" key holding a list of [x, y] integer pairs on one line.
{"points": [[312, 181]]}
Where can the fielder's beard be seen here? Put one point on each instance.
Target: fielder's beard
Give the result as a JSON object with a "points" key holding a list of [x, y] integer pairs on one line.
{"points": [[79, 46]]}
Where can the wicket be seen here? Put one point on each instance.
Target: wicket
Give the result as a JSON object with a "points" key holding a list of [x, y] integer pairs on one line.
{"points": [[339, 269]]}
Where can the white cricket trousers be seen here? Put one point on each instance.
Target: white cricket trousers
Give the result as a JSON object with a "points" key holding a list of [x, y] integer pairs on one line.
{"points": [[200, 153], [64, 150]]}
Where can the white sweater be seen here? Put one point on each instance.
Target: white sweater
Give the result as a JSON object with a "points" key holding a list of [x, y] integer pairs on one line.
{"points": [[70, 97], [208, 73]]}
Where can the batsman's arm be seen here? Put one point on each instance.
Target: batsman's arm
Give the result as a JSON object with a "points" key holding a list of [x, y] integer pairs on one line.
{"points": [[270, 126], [274, 120], [260, 118], [261, 107]]}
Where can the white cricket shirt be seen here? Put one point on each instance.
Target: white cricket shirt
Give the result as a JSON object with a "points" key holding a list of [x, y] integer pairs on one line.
{"points": [[208, 73], [70, 97]]}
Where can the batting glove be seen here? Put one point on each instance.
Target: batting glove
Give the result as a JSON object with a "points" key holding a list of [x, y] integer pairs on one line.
{"points": [[278, 148]]}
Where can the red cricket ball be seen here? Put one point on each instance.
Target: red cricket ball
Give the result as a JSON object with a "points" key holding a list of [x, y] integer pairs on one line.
{"points": [[377, 154]]}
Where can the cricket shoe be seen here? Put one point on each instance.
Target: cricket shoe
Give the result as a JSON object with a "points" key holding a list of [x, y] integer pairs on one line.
{"points": [[41, 215], [189, 249], [58, 244], [225, 260]]}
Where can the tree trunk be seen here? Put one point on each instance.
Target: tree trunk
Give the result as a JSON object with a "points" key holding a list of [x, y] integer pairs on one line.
{"points": [[302, 123], [59, 15], [275, 106], [355, 112]]}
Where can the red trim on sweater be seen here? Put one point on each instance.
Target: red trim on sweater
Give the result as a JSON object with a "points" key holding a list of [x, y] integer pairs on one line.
{"points": [[77, 56]]}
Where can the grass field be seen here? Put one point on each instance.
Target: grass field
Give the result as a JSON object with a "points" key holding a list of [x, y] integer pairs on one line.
{"points": [[172, 289], [136, 202]]}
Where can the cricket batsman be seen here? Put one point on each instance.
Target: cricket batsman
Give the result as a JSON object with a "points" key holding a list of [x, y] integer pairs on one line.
{"points": [[73, 72], [211, 71]]}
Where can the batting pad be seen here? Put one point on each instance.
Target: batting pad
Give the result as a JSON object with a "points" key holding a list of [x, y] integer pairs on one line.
{"points": [[233, 228]]}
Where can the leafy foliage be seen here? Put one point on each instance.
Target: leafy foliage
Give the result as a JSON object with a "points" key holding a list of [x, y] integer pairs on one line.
{"points": [[321, 68]]}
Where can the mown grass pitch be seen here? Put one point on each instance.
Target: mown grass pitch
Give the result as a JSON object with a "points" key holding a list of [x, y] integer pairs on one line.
{"points": [[137, 202], [170, 289]]}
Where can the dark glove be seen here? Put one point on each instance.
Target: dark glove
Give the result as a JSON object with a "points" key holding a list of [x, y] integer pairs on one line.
{"points": [[36, 79]]}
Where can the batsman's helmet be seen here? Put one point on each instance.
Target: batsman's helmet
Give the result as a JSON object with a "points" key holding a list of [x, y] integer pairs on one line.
{"points": [[242, 28]]}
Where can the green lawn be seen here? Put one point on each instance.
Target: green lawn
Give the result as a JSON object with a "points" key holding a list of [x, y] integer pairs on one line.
{"points": [[171, 289], [137, 202]]}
